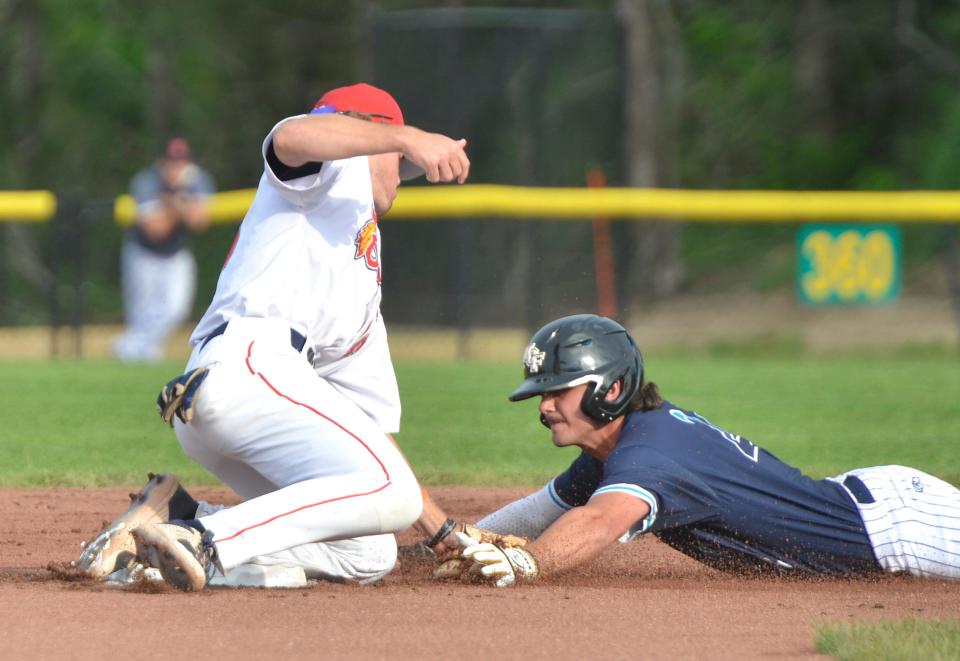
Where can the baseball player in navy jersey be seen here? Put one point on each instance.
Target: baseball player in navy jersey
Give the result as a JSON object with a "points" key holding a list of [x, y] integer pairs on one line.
{"points": [[290, 396], [649, 466]]}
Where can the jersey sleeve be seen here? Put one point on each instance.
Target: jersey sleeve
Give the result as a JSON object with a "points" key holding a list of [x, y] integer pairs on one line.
{"points": [[575, 485], [307, 183], [676, 496]]}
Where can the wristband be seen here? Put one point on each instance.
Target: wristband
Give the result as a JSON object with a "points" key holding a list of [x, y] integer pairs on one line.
{"points": [[445, 530]]}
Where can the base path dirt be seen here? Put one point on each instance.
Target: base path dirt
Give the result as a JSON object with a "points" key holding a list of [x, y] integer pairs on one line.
{"points": [[639, 600]]}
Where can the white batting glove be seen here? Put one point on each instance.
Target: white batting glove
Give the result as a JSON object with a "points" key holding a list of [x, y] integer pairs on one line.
{"points": [[501, 565]]}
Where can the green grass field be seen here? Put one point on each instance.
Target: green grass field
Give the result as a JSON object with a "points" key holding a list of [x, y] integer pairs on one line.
{"points": [[931, 640], [93, 422]]}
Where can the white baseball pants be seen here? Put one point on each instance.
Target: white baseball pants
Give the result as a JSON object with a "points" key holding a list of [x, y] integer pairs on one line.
{"points": [[321, 482], [914, 523], [158, 294]]}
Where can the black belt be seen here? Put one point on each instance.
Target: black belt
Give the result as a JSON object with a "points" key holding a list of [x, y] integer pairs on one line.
{"points": [[297, 339], [859, 490]]}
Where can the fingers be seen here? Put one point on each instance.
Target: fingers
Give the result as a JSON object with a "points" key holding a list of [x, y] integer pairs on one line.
{"points": [[454, 168], [457, 167], [464, 162], [178, 396], [442, 159], [465, 540], [488, 559]]}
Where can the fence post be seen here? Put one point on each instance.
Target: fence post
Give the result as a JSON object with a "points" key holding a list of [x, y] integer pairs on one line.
{"points": [[465, 248], [952, 263], [67, 255], [66, 207], [80, 244], [603, 254]]}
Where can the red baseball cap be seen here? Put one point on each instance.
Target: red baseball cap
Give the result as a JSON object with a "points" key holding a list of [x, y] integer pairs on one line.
{"points": [[382, 108], [370, 100]]}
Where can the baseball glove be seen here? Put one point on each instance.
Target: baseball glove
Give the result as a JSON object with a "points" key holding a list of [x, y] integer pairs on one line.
{"points": [[450, 563], [177, 397]]}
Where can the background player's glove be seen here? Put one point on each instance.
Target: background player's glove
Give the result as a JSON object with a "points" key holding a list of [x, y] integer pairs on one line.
{"points": [[450, 564], [503, 566], [178, 396]]}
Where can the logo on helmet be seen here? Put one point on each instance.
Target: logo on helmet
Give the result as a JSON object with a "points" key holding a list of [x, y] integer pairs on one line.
{"points": [[533, 358]]}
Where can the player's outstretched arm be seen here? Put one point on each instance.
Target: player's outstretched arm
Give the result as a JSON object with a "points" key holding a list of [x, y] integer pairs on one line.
{"points": [[317, 138], [576, 537], [583, 532]]}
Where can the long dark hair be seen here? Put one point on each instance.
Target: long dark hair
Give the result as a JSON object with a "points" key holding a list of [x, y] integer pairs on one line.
{"points": [[647, 398]]}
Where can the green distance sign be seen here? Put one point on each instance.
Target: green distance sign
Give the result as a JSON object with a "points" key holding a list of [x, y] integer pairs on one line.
{"points": [[848, 264]]}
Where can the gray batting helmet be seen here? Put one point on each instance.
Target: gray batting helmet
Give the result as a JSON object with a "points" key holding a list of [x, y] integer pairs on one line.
{"points": [[583, 348]]}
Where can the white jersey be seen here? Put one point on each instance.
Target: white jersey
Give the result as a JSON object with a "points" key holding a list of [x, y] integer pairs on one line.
{"points": [[307, 252], [301, 435]]}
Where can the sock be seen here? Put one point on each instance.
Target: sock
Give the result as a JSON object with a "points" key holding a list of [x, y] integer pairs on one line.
{"points": [[182, 505]]}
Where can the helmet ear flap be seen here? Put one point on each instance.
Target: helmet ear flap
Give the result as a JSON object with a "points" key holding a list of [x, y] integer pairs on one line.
{"points": [[592, 402], [595, 404]]}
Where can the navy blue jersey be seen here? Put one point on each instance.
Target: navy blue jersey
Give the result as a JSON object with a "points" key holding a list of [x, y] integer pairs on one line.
{"points": [[717, 497]]}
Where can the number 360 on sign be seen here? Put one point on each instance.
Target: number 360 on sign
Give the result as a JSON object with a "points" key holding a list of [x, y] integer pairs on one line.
{"points": [[848, 264]]}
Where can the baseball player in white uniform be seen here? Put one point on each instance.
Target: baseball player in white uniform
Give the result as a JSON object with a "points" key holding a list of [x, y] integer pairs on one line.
{"points": [[290, 395]]}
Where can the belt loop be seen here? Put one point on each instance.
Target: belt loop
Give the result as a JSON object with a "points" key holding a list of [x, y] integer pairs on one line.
{"points": [[859, 490], [297, 340], [215, 332]]}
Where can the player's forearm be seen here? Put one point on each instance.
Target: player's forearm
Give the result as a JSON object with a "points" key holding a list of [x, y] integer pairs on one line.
{"points": [[431, 521], [576, 537], [528, 517], [317, 138]]}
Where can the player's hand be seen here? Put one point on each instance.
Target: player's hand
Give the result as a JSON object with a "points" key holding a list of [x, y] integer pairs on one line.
{"points": [[178, 396], [451, 565], [502, 566], [443, 159]]}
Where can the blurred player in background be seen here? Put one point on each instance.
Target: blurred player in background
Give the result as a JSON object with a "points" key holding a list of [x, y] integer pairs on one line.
{"points": [[649, 466], [158, 270], [290, 395]]}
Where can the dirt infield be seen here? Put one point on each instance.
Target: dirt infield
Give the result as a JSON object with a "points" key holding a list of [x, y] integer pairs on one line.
{"points": [[640, 600]]}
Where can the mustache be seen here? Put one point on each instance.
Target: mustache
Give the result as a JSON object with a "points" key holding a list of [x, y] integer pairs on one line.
{"points": [[549, 421]]}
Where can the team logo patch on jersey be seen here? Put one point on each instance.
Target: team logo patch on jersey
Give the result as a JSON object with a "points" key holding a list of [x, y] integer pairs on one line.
{"points": [[533, 358], [917, 484], [368, 246]]}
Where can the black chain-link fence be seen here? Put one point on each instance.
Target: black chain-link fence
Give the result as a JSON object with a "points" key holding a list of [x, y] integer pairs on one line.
{"points": [[538, 95]]}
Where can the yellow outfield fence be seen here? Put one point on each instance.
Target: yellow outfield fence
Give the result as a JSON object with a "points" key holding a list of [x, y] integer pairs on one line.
{"points": [[70, 255], [32, 206], [225, 207], [480, 200], [699, 205]]}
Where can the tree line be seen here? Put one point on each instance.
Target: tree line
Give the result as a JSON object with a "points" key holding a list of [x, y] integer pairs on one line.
{"points": [[815, 94]]}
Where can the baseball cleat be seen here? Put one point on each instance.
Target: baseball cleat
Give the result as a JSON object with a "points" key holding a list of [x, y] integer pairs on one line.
{"points": [[182, 553], [114, 548]]}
